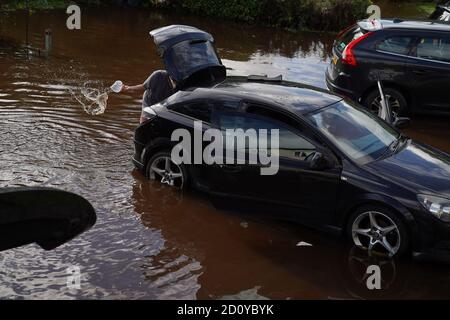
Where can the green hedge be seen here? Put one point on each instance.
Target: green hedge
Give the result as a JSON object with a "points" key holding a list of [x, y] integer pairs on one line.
{"points": [[290, 14], [46, 4]]}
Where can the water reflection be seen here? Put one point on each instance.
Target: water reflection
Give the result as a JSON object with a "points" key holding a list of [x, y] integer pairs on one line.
{"points": [[217, 254], [151, 242]]}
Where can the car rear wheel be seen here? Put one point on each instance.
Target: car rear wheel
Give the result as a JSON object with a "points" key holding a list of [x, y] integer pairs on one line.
{"points": [[378, 229], [396, 100], [161, 168]]}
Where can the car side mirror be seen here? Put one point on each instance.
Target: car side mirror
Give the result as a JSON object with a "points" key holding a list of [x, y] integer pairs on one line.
{"points": [[45, 216], [401, 122], [319, 161]]}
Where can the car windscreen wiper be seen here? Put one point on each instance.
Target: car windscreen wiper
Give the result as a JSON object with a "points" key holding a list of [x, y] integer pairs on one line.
{"points": [[401, 141], [394, 146]]}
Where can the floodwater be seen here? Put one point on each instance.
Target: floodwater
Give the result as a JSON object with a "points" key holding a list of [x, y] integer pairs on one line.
{"points": [[150, 241]]}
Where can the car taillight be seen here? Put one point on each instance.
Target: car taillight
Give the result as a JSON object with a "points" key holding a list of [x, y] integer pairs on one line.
{"points": [[348, 57], [147, 114]]}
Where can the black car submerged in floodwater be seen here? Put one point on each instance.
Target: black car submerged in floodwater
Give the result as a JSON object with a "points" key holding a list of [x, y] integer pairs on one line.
{"points": [[412, 58], [341, 168]]}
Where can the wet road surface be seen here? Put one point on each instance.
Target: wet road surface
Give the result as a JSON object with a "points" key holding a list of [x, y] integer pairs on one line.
{"points": [[150, 241]]}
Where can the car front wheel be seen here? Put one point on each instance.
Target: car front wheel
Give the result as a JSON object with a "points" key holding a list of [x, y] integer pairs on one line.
{"points": [[161, 168], [378, 229]]}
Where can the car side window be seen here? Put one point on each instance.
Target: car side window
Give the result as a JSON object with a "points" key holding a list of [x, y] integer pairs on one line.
{"points": [[396, 44], [199, 111], [291, 145], [434, 48]]}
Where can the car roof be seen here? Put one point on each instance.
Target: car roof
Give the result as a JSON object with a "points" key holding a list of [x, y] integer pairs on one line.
{"points": [[415, 24], [290, 96]]}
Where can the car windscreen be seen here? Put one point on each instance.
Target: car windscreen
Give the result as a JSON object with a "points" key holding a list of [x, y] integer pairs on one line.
{"points": [[188, 56], [359, 134], [348, 36]]}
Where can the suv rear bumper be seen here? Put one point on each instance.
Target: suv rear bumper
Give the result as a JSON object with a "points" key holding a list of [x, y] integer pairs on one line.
{"points": [[333, 87]]}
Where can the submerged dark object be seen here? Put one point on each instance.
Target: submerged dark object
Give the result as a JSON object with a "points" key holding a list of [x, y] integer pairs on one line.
{"points": [[189, 56], [45, 216]]}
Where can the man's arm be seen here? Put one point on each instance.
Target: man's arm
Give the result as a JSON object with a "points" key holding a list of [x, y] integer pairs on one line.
{"points": [[131, 89]]}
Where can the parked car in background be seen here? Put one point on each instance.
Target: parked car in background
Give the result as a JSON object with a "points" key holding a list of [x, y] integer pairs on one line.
{"points": [[442, 13], [412, 58]]}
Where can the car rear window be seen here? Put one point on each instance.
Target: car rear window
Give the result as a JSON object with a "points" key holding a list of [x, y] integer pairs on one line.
{"points": [[348, 36], [397, 44], [188, 55], [198, 111]]}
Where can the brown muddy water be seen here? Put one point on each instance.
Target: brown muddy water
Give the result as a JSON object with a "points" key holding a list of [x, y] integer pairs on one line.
{"points": [[149, 241]]}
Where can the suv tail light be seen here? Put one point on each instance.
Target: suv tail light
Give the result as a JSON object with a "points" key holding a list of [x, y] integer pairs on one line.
{"points": [[147, 114], [348, 57]]}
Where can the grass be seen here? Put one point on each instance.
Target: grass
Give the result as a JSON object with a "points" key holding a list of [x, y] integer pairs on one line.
{"points": [[427, 7], [43, 4]]}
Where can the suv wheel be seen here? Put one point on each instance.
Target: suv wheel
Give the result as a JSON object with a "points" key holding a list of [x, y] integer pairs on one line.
{"points": [[378, 229], [396, 100], [161, 168]]}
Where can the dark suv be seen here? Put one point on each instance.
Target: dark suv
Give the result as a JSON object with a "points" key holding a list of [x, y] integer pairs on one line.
{"points": [[412, 58], [442, 13]]}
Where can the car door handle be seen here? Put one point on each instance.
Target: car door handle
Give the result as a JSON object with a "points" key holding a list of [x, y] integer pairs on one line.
{"points": [[230, 167]]}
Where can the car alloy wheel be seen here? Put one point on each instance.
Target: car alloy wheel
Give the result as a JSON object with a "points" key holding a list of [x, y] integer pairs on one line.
{"points": [[375, 231], [163, 169], [375, 106]]}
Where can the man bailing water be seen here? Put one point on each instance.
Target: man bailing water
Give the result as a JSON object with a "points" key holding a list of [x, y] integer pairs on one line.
{"points": [[158, 87]]}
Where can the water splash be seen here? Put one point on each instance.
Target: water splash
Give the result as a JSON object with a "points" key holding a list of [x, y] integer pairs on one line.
{"points": [[93, 101]]}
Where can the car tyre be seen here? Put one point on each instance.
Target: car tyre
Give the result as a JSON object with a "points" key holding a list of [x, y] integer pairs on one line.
{"points": [[161, 168], [397, 101], [378, 230]]}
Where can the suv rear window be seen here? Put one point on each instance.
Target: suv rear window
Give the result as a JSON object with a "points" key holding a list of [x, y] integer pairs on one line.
{"points": [[348, 36]]}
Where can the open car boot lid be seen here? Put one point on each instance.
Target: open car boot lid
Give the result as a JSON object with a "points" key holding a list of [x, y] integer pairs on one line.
{"points": [[189, 56]]}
